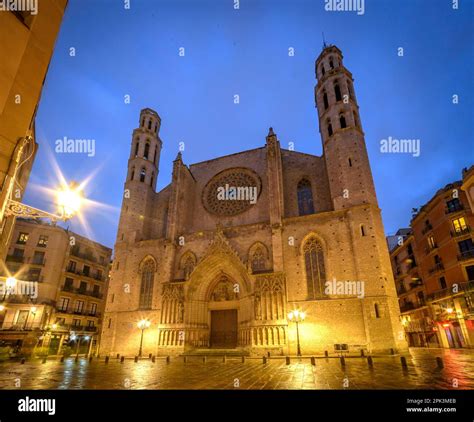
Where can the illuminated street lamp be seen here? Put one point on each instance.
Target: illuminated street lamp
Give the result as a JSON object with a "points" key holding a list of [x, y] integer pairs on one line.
{"points": [[142, 325], [9, 285], [69, 200], [297, 316]]}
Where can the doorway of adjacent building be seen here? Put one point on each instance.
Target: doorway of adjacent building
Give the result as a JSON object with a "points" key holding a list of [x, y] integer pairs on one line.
{"points": [[224, 329]]}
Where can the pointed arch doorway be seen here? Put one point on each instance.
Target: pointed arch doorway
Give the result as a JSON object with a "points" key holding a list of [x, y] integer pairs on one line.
{"points": [[223, 314]]}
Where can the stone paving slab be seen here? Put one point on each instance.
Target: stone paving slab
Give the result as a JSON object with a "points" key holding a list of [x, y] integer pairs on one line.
{"points": [[422, 372]]}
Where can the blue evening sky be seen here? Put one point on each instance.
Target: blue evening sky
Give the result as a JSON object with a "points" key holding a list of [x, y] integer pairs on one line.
{"points": [[135, 52]]}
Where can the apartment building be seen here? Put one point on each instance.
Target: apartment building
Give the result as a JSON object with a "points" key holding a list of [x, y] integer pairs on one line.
{"points": [[59, 281]]}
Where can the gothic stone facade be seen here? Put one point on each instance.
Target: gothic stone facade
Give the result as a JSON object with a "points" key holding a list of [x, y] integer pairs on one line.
{"points": [[212, 272]]}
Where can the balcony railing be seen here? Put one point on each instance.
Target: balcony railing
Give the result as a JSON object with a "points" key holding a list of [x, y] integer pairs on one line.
{"points": [[456, 208], [38, 261], [466, 255], [29, 326], [461, 232], [95, 276], [431, 248], [87, 257], [438, 267], [15, 258]]}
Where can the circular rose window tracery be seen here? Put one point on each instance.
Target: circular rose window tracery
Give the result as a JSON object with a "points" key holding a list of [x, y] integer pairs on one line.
{"points": [[231, 192]]}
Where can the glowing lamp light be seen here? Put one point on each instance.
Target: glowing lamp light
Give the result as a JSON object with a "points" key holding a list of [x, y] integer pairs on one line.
{"points": [[73, 337], [54, 326], [11, 282], [2, 308], [449, 310], [446, 325], [33, 310], [143, 324], [69, 200], [86, 338]]}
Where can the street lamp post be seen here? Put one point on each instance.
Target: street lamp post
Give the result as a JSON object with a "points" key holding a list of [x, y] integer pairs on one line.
{"points": [[142, 325], [33, 311], [297, 316], [9, 285], [69, 200]]}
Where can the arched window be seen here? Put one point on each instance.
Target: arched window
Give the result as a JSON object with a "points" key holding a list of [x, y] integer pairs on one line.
{"points": [[143, 122], [154, 156], [132, 174], [342, 121], [147, 151], [323, 70], [152, 178], [146, 287], [331, 63], [305, 198], [149, 124], [329, 125], [376, 310], [350, 88], [325, 100], [156, 127], [142, 174], [136, 148], [315, 271], [337, 91], [258, 260]]}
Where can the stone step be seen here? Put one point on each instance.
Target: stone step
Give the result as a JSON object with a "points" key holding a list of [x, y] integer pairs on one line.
{"points": [[216, 352]]}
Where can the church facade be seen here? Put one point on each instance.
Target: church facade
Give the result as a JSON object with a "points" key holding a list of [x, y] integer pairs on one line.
{"points": [[220, 256]]}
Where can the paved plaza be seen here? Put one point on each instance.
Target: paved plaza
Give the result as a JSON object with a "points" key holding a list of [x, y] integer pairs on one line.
{"points": [[422, 372]]}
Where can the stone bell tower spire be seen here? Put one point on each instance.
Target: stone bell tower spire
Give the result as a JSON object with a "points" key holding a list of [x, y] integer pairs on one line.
{"points": [[140, 184], [350, 177]]}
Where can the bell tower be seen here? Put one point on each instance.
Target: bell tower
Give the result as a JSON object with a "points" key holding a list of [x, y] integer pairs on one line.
{"points": [[347, 163], [142, 174]]}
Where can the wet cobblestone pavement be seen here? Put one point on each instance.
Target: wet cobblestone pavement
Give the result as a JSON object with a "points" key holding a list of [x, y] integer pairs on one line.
{"points": [[422, 372]]}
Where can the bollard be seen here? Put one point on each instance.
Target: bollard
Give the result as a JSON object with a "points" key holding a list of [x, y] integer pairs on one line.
{"points": [[288, 360], [362, 353], [90, 358], [268, 354], [204, 359], [370, 362], [243, 359], [136, 359], [153, 359], [403, 361], [392, 352], [326, 354], [44, 360], [122, 359], [118, 355], [313, 361], [224, 359], [167, 359], [106, 359], [62, 358], [343, 361], [264, 360], [22, 361], [150, 355], [440, 363]]}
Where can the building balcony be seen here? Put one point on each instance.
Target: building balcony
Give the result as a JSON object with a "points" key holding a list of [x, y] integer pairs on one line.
{"points": [[438, 267], [462, 232], [15, 258], [457, 208], [29, 326], [466, 255], [84, 256], [427, 228], [430, 249], [37, 261], [94, 276]]}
